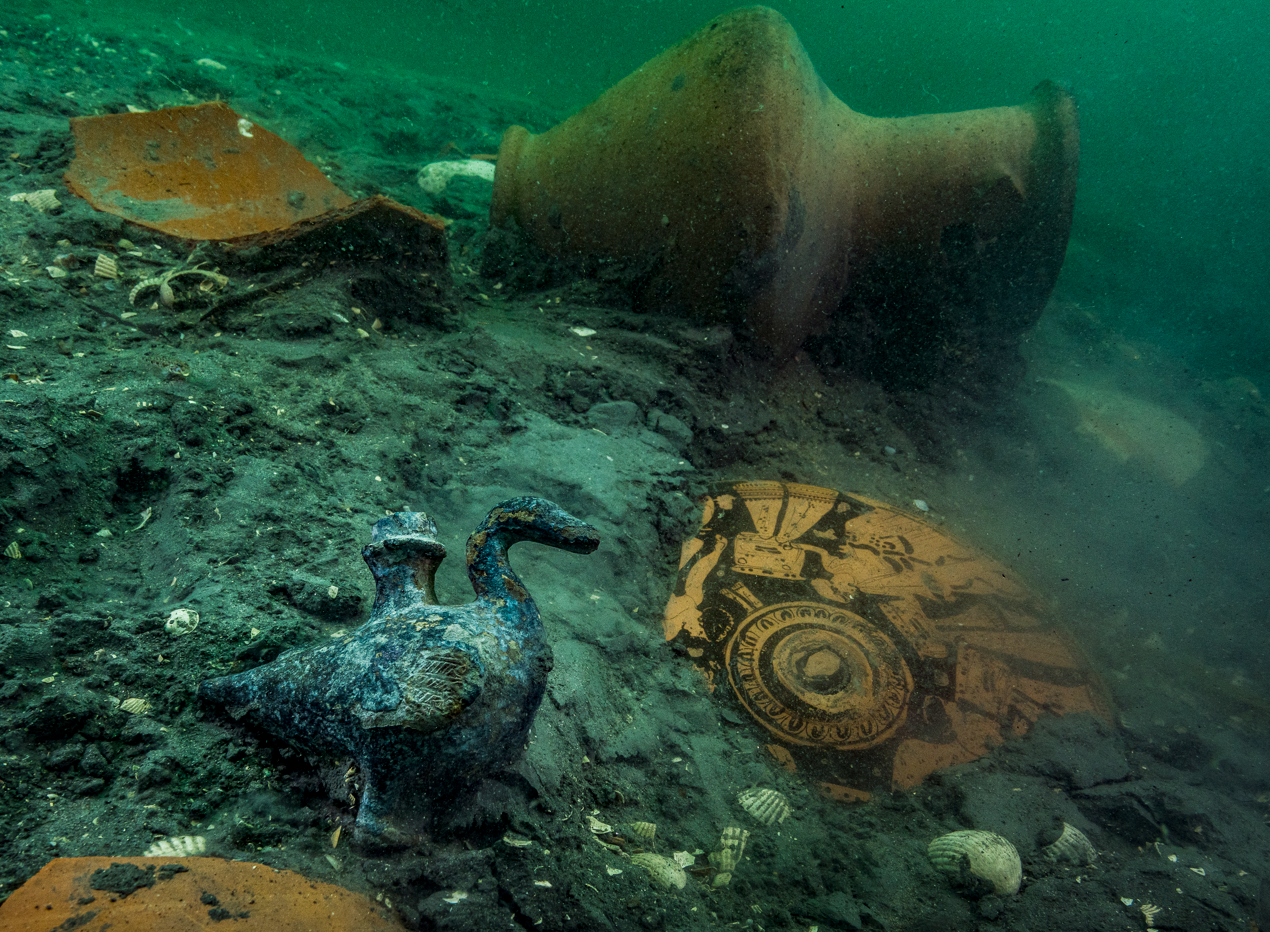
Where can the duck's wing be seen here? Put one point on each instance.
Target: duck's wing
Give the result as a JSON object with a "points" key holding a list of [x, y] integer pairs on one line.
{"points": [[425, 693]]}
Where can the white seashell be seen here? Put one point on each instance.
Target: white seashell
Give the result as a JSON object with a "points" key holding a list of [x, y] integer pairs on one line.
{"points": [[40, 200], [598, 827], [181, 621], [436, 177], [664, 872], [13, 551], [56, 271], [644, 831], [582, 331], [177, 846], [105, 266], [210, 63], [725, 860], [135, 706], [767, 806], [985, 855], [1072, 847]]}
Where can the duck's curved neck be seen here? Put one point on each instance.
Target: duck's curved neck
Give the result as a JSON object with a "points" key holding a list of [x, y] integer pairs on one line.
{"points": [[491, 574]]}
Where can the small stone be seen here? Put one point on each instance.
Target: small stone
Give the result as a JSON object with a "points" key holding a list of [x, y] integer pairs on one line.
{"points": [[610, 416]]}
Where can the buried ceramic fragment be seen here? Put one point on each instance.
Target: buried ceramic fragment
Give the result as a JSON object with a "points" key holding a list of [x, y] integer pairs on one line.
{"points": [[427, 699], [870, 648], [733, 185], [984, 855]]}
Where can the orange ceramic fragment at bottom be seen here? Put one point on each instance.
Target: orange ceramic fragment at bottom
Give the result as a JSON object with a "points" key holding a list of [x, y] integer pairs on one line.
{"points": [[66, 894], [201, 173]]}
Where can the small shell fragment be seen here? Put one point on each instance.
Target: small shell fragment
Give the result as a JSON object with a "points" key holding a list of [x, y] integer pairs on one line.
{"points": [[725, 860], [458, 896], [13, 551], [435, 177], [55, 271], [516, 841], [644, 831], [177, 846], [210, 63], [664, 872], [135, 706], [986, 855], [1072, 847], [105, 266], [582, 331], [181, 621], [769, 807], [598, 827], [335, 836], [42, 200]]}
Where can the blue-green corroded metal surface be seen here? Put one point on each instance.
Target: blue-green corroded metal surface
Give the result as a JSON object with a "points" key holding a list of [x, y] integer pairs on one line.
{"points": [[426, 698]]}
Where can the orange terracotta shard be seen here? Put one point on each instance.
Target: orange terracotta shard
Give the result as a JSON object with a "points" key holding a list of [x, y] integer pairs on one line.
{"points": [[872, 649], [205, 173], [200, 893], [201, 173]]}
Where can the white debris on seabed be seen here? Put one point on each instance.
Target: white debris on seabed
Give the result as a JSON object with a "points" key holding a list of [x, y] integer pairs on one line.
{"points": [[435, 177]]}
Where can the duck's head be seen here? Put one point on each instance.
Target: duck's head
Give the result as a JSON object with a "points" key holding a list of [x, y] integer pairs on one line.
{"points": [[537, 520]]}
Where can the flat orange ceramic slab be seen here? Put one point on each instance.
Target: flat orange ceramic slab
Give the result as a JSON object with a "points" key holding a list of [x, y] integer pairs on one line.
{"points": [[201, 172], [180, 894], [872, 648]]}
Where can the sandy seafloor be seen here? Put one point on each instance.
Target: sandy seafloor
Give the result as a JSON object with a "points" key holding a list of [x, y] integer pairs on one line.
{"points": [[263, 469]]}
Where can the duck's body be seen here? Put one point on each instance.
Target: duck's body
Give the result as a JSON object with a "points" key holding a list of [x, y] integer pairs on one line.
{"points": [[425, 698]]}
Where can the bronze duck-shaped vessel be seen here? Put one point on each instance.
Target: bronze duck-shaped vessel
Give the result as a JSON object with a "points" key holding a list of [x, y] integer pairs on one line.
{"points": [[426, 699]]}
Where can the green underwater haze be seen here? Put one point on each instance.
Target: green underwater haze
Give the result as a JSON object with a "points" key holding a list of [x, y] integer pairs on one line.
{"points": [[1174, 145]]}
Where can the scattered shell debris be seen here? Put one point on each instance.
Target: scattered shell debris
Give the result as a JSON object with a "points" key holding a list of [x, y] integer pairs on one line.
{"points": [[135, 706], [664, 872], [435, 177], [644, 831], [985, 855], [181, 621], [598, 827], [728, 856], [42, 200], [105, 266], [1072, 847], [770, 807], [167, 295], [177, 846]]}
